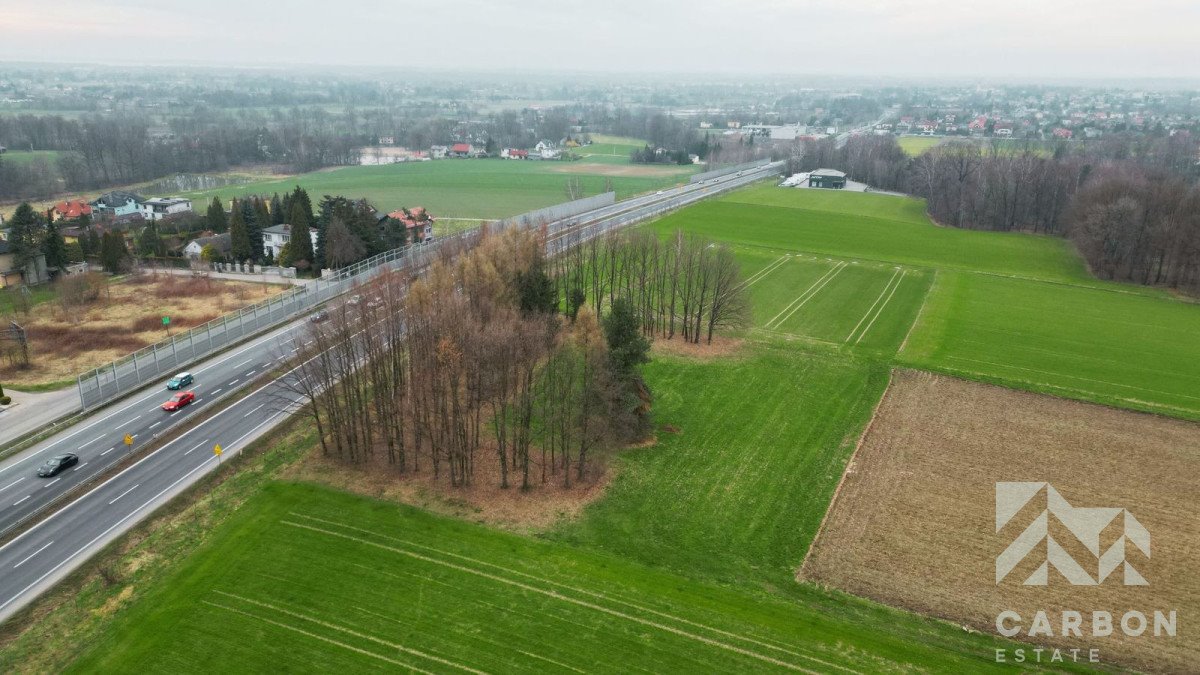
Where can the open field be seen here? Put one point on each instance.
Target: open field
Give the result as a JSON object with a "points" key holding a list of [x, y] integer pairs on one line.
{"points": [[609, 149], [863, 305], [1119, 348], [307, 579], [24, 157], [875, 227], [762, 440], [483, 188], [915, 145], [126, 317], [914, 522]]}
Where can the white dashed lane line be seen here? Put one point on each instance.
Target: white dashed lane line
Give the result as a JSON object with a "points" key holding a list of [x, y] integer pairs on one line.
{"points": [[80, 466], [18, 502], [33, 554], [254, 411], [2, 489], [234, 382], [123, 494], [108, 451], [155, 424], [197, 447], [52, 482]]}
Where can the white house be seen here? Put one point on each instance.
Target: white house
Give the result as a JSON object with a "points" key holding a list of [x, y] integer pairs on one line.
{"points": [[118, 204], [546, 150], [196, 246], [161, 207], [437, 151], [276, 236]]}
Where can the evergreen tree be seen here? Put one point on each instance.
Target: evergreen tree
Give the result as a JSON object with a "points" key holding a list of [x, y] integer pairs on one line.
{"points": [[93, 240], [149, 241], [254, 213], [216, 220], [627, 347], [300, 246], [54, 247], [25, 236], [278, 214], [113, 253], [535, 290], [239, 238]]}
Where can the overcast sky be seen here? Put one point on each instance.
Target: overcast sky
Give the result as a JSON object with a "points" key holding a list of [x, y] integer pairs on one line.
{"points": [[1017, 39]]}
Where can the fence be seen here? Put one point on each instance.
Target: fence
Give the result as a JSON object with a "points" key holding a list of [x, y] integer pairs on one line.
{"points": [[124, 375], [717, 173]]}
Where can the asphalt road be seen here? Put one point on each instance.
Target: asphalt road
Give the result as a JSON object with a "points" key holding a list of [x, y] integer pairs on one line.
{"points": [[52, 548]]}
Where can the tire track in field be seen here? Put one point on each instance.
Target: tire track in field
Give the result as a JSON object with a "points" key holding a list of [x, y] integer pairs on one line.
{"points": [[364, 636], [881, 307], [322, 638], [595, 594], [759, 275], [807, 295], [872, 307], [559, 596]]}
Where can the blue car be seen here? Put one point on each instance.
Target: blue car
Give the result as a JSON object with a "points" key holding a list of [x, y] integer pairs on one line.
{"points": [[180, 381]]}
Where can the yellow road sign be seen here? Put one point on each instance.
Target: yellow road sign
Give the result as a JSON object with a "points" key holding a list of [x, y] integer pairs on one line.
{"points": [[128, 439], [217, 450]]}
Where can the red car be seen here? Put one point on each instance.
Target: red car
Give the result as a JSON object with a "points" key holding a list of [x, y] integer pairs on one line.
{"points": [[179, 400]]}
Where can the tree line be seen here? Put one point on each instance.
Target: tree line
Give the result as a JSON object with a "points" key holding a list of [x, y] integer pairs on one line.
{"points": [[1127, 203]]}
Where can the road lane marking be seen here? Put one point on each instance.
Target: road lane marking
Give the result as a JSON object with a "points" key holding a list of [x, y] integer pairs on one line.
{"points": [[234, 382], [52, 482], [216, 391], [249, 373], [108, 451], [136, 418], [80, 466], [247, 361], [155, 424], [18, 503], [201, 444], [33, 554], [12, 483], [123, 494], [254, 411], [89, 442]]}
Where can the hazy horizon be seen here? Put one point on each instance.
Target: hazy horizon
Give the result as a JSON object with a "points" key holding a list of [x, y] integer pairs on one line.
{"points": [[1023, 41]]}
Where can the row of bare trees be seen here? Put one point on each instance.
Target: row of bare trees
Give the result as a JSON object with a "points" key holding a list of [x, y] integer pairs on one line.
{"points": [[686, 285], [448, 374]]}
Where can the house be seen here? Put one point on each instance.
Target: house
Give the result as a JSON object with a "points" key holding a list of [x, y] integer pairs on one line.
{"points": [[274, 237], [462, 150], [416, 221], [72, 209], [547, 150], [927, 127], [438, 151], [34, 273], [827, 178], [161, 207], [1004, 129], [513, 153], [387, 140], [117, 204], [1063, 133], [196, 246], [977, 125]]}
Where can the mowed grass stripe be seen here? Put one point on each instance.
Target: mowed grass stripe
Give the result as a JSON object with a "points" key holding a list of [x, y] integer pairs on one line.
{"points": [[875, 304], [807, 295], [893, 284]]}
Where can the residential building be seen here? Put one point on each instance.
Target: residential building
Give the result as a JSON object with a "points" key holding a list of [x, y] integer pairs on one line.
{"points": [[513, 153], [34, 273], [438, 151], [547, 150], [416, 221], [462, 150], [72, 209], [196, 246], [276, 236], [161, 207], [117, 204], [827, 178]]}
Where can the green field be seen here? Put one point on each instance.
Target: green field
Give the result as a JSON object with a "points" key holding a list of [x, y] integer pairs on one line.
{"points": [[25, 157], [915, 145], [609, 149], [481, 188], [1118, 348], [305, 579]]}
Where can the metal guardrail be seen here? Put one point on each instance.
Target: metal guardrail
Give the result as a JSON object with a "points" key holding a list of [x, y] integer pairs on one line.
{"points": [[717, 173], [166, 357]]}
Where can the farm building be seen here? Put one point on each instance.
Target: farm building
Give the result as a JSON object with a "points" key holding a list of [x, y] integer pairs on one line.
{"points": [[462, 150], [827, 178]]}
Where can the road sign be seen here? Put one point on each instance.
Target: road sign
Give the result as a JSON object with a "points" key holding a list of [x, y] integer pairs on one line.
{"points": [[128, 439], [217, 451], [166, 321]]}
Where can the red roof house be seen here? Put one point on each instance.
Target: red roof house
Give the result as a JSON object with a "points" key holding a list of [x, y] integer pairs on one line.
{"points": [[70, 209]]}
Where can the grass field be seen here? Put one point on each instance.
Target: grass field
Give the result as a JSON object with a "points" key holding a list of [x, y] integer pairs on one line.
{"points": [[24, 157], [485, 188], [610, 149], [307, 579], [1124, 349], [914, 524], [877, 228], [915, 145]]}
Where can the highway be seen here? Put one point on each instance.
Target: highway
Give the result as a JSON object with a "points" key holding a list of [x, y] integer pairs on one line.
{"points": [[92, 513]]}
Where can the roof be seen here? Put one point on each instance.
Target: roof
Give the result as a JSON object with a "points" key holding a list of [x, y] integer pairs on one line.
{"points": [[117, 198], [278, 229], [416, 217], [460, 147], [73, 208], [829, 173], [219, 241], [166, 201]]}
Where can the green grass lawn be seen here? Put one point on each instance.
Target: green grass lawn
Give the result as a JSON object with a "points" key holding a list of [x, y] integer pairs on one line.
{"points": [[483, 188], [915, 145], [1123, 349], [305, 579], [25, 157], [762, 442], [879, 228], [9, 300], [609, 149]]}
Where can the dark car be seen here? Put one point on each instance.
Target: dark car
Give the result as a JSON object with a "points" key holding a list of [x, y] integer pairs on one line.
{"points": [[319, 316], [180, 381], [179, 400], [55, 465]]}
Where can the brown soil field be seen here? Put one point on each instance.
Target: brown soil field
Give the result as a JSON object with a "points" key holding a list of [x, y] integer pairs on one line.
{"points": [[126, 317], [913, 523], [597, 169]]}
